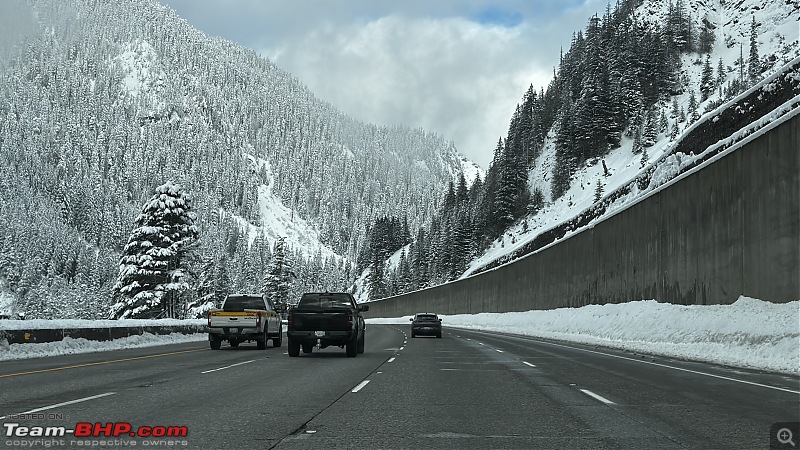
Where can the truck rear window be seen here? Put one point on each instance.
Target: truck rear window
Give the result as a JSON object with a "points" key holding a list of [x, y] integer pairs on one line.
{"points": [[242, 302], [322, 301]]}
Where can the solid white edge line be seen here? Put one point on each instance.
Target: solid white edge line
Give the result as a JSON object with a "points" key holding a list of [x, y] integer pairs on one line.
{"points": [[676, 368], [360, 385], [528, 364], [391, 359], [597, 397], [44, 408], [228, 367]]}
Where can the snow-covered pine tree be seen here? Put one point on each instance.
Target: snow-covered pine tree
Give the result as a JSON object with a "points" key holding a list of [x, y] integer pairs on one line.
{"points": [[598, 191], [753, 64], [151, 275], [650, 133], [707, 79], [721, 74], [278, 279], [377, 280]]}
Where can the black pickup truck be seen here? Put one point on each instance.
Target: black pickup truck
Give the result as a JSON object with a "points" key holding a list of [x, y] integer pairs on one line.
{"points": [[325, 319]]}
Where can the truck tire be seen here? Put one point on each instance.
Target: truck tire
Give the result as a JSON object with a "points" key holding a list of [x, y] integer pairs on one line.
{"points": [[361, 344], [352, 347], [294, 348], [215, 343], [278, 341], [261, 344]]}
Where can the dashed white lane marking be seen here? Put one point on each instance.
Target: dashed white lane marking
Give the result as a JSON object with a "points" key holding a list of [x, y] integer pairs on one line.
{"points": [[402, 348], [597, 397], [498, 350], [228, 367], [481, 343], [360, 385], [528, 364], [71, 402], [391, 359], [677, 368]]}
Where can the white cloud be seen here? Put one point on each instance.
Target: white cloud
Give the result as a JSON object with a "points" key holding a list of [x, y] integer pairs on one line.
{"points": [[452, 76], [435, 65]]}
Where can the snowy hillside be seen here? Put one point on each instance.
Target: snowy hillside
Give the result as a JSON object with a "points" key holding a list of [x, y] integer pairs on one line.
{"points": [[112, 99], [277, 220], [777, 27]]}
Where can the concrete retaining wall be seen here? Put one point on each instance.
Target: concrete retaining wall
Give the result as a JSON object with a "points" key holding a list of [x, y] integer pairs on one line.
{"points": [[730, 229]]}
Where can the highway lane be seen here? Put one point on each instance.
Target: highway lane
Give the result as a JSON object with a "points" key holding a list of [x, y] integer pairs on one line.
{"points": [[482, 390], [252, 398], [466, 390]]}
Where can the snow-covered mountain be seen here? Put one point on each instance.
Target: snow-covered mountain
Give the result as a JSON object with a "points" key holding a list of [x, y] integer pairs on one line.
{"points": [[615, 122], [777, 26], [100, 102]]}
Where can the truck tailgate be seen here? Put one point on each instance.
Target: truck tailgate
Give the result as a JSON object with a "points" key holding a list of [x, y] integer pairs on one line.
{"points": [[335, 320], [245, 319]]}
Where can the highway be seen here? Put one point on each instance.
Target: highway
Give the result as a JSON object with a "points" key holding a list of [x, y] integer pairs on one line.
{"points": [[466, 390]]}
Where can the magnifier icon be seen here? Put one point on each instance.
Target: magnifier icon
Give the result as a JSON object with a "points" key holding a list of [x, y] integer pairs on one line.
{"points": [[785, 437]]}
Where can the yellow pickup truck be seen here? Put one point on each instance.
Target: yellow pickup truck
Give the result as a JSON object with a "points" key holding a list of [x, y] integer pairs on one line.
{"points": [[245, 318]]}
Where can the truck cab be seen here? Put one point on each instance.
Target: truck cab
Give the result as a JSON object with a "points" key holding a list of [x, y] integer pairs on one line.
{"points": [[245, 318]]}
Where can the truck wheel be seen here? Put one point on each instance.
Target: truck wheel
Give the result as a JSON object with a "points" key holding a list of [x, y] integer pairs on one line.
{"points": [[294, 348], [234, 343], [352, 347], [361, 344], [278, 341], [215, 343], [308, 348]]}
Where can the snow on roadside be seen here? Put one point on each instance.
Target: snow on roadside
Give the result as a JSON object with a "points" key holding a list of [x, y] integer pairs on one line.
{"points": [[70, 346], [749, 333], [59, 324]]}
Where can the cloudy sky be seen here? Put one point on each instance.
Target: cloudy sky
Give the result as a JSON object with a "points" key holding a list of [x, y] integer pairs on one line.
{"points": [[454, 67]]}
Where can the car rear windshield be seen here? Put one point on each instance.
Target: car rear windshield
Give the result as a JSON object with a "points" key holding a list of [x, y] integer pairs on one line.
{"points": [[325, 301], [242, 302], [427, 318]]}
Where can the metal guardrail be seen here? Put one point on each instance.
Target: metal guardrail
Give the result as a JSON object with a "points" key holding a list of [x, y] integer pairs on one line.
{"points": [[33, 336]]}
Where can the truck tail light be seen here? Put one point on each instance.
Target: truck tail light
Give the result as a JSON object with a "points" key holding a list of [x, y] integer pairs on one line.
{"points": [[289, 320], [258, 321], [209, 319], [350, 320]]}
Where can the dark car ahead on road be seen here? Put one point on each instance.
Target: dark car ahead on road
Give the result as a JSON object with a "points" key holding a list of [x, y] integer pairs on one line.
{"points": [[428, 324]]}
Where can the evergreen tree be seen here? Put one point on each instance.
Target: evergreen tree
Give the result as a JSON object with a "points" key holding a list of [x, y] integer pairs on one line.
{"points": [[707, 79], [753, 64], [277, 281], [598, 191], [650, 133], [693, 114], [152, 275], [377, 282], [721, 74]]}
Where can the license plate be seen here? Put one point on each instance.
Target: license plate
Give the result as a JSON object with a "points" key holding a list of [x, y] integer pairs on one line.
{"points": [[319, 333]]}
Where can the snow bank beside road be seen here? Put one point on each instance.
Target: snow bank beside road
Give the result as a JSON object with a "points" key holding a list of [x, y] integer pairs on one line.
{"points": [[749, 333], [70, 346]]}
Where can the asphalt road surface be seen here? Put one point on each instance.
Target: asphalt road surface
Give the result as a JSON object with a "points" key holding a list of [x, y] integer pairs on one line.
{"points": [[465, 390]]}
